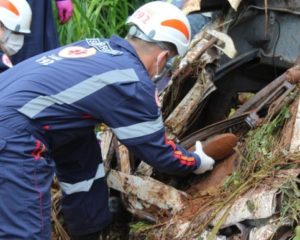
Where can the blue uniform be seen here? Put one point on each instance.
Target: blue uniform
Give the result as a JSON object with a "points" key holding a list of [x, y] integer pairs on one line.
{"points": [[43, 36], [49, 106]]}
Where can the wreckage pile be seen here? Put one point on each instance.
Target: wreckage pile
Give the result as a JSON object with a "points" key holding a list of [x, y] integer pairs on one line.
{"points": [[253, 191]]}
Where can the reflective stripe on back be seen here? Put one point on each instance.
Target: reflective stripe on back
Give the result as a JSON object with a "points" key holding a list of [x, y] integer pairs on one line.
{"points": [[83, 186], [78, 91], [139, 129]]}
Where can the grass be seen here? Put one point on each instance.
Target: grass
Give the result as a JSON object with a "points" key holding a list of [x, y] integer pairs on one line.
{"points": [[261, 159], [97, 18]]}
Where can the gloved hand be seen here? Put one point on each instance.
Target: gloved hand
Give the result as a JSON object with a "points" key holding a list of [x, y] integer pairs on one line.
{"points": [[207, 162], [65, 10]]}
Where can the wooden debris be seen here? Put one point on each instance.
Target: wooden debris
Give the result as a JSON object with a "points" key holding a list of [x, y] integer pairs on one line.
{"points": [[226, 44], [148, 190], [295, 142], [144, 169], [107, 147], [288, 128], [123, 158], [182, 113]]}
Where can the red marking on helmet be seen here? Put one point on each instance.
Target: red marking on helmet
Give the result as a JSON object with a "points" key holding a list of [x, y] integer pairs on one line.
{"points": [[178, 25], [9, 6]]}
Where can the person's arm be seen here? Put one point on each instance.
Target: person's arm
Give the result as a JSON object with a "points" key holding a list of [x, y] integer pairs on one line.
{"points": [[137, 123], [128, 105], [166, 156], [65, 10]]}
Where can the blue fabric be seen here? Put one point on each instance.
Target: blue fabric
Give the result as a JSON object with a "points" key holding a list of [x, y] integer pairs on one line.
{"points": [[43, 36], [118, 105], [114, 88], [76, 160], [25, 180], [197, 21]]}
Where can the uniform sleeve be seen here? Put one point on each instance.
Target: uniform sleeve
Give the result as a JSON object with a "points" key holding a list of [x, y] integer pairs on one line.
{"points": [[165, 155], [138, 124]]}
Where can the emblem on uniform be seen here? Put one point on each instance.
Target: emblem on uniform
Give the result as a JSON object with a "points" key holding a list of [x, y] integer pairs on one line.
{"points": [[102, 46], [76, 52]]}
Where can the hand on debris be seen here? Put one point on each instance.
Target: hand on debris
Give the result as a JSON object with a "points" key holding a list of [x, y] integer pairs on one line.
{"points": [[207, 162], [65, 10]]}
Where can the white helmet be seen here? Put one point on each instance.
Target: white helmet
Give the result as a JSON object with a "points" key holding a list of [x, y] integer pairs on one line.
{"points": [[15, 15], [163, 22]]}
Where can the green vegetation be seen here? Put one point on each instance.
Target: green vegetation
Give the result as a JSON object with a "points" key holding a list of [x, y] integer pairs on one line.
{"points": [[262, 158], [97, 18], [139, 226]]}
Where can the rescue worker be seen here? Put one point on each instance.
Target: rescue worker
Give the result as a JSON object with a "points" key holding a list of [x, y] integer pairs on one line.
{"points": [[15, 18], [50, 105], [44, 35]]}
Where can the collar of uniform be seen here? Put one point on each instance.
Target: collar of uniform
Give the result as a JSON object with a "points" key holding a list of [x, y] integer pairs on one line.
{"points": [[121, 42], [124, 44]]}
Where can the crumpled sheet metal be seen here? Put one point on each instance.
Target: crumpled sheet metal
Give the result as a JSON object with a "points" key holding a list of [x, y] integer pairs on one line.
{"points": [[206, 234], [182, 226], [255, 204], [265, 232], [295, 142]]}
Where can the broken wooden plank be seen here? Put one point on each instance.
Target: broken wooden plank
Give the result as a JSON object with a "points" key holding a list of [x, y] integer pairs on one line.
{"points": [[107, 148], [144, 169], [202, 52], [131, 202], [123, 158], [295, 142], [147, 189], [182, 113]]}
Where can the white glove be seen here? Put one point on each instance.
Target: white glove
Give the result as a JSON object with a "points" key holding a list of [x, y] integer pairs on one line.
{"points": [[207, 162]]}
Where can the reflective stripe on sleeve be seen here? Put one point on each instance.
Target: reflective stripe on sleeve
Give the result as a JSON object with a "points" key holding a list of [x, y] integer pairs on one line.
{"points": [[139, 129], [83, 186], [78, 91]]}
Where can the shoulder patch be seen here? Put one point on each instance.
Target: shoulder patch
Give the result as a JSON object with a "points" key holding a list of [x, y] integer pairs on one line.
{"points": [[6, 61], [102, 46], [76, 52]]}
